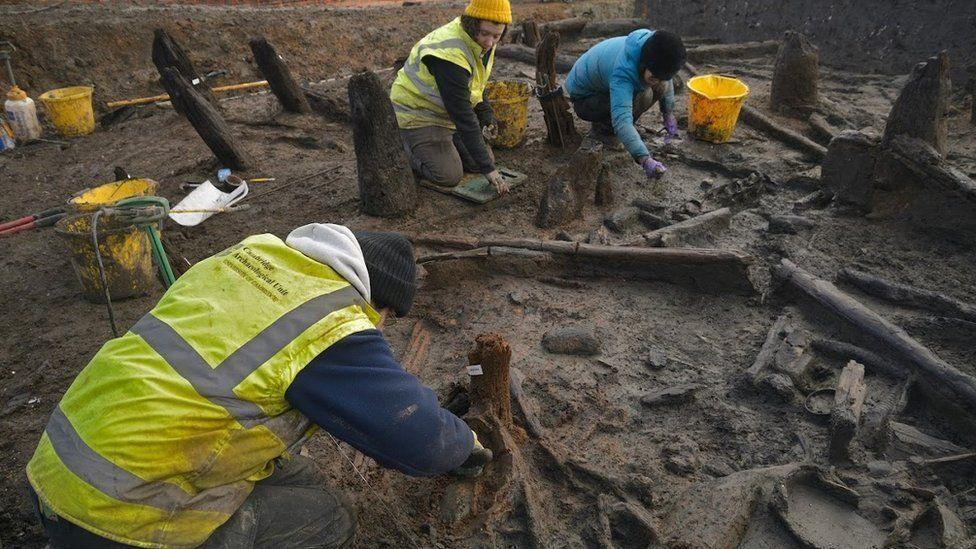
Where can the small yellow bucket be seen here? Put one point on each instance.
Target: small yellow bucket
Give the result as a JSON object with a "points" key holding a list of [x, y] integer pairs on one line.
{"points": [[70, 110], [713, 106], [126, 257], [510, 101], [90, 200]]}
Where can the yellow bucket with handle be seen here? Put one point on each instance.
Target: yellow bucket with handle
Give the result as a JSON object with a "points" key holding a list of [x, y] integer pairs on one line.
{"points": [[713, 106], [510, 102], [70, 110]]}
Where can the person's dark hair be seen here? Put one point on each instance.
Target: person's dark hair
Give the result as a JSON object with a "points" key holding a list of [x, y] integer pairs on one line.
{"points": [[663, 54], [472, 25]]}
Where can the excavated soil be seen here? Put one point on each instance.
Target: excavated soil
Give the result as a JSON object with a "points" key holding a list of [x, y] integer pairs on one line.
{"points": [[603, 453]]}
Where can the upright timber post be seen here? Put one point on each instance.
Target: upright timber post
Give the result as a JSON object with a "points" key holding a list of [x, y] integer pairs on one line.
{"points": [[555, 109], [386, 183], [489, 366], [920, 110], [279, 78], [166, 52], [206, 120]]}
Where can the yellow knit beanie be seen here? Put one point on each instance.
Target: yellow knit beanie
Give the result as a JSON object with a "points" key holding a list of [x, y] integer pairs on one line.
{"points": [[497, 11]]}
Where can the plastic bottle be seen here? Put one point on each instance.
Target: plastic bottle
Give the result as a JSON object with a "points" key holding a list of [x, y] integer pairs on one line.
{"points": [[22, 115], [6, 136]]}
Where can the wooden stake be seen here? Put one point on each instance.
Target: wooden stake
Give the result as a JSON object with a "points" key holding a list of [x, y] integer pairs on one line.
{"points": [[386, 183], [920, 109], [795, 75], [530, 33], [490, 388], [560, 126], [207, 121], [276, 72], [846, 413], [166, 52]]}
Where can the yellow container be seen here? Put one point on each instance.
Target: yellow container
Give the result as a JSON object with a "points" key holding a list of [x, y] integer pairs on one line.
{"points": [[126, 257], [90, 200], [70, 110], [713, 106], [510, 101]]}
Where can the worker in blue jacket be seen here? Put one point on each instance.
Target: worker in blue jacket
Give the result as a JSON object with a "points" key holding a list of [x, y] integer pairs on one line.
{"points": [[617, 80]]}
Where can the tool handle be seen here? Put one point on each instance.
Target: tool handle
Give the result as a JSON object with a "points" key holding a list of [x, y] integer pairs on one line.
{"points": [[16, 222], [19, 228], [50, 220], [49, 212]]}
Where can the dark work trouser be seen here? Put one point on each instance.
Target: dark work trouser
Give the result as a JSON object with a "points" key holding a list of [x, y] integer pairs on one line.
{"points": [[293, 507], [596, 108], [438, 155]]}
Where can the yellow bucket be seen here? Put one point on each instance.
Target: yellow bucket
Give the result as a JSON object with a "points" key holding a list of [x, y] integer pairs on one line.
{"points": [[70, 110], [713, 106], [126, 257], [90, 200], [510, 101]]}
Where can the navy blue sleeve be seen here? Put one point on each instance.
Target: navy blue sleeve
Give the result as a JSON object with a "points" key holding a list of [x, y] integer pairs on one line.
{"points": [[358, 392]]}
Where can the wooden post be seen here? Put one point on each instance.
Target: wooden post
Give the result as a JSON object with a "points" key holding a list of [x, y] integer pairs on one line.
{"points": [[530, 33], [386, 183], [846, 413], [569, 189], [795, 75], [166, 52], [206, 120], [555, 108], [920, 109], [279, 78], [490, 389]]}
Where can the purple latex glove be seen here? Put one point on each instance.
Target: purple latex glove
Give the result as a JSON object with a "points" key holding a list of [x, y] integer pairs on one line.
{"points": [[671, 125], [652, 168]]}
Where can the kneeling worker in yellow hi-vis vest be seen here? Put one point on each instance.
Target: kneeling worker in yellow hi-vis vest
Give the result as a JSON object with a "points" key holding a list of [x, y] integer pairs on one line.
{"points": [[186, 430], [438, 97]]}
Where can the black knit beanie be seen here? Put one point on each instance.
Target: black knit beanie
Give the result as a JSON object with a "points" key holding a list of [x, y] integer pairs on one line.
{"points": [[663, 54], [391, 268]]}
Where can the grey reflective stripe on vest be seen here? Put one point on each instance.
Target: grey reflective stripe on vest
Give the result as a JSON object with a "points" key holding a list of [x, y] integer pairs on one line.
{"points": [[116, 482], [217, 384], [412, 69]]}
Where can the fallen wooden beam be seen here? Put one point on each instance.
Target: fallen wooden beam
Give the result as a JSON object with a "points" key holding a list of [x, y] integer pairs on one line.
{"points": [[276, 72], [766, 125], [845, 416], [612, 27], [765, 357], [711, 270], [570, 26], [522, 404], [525, 54], [207, 121], [679, 233], [909, 296], [710, 52], [923, 161], [845, 351], [949, 388]]}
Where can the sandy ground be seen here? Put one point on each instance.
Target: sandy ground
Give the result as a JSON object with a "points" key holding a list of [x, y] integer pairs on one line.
{"points": [[589, 407]]}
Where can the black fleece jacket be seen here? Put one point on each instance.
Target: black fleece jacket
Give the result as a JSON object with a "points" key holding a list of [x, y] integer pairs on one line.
{"points": [[453, 83]]}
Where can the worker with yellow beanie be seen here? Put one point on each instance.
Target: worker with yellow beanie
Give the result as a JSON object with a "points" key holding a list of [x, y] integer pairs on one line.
{"points": [[438, 96]]}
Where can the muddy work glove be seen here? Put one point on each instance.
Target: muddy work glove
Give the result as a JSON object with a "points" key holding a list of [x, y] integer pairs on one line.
{"points": [[671, 126], [496, 181], [475, 464], [652, 168]]}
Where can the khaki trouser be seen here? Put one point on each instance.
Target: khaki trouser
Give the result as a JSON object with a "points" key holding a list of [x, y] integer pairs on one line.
{"points": [[437, 155]]}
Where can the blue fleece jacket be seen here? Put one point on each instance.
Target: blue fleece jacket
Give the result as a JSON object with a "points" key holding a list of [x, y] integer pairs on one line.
{"points": [[613, 67], [358, 392]]}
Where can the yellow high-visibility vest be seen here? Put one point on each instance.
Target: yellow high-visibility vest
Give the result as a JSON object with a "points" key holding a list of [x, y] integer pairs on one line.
{"points": [[416, 100], [161, 437]]}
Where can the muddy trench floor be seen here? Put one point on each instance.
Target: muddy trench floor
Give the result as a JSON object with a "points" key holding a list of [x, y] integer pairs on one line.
{"points": [[589, 407]]}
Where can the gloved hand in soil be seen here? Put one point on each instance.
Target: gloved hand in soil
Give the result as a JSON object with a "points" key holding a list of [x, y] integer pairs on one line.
{"points": [[475, 464], [671, 125], [496, 180], [652, 168], [489, 132]]}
